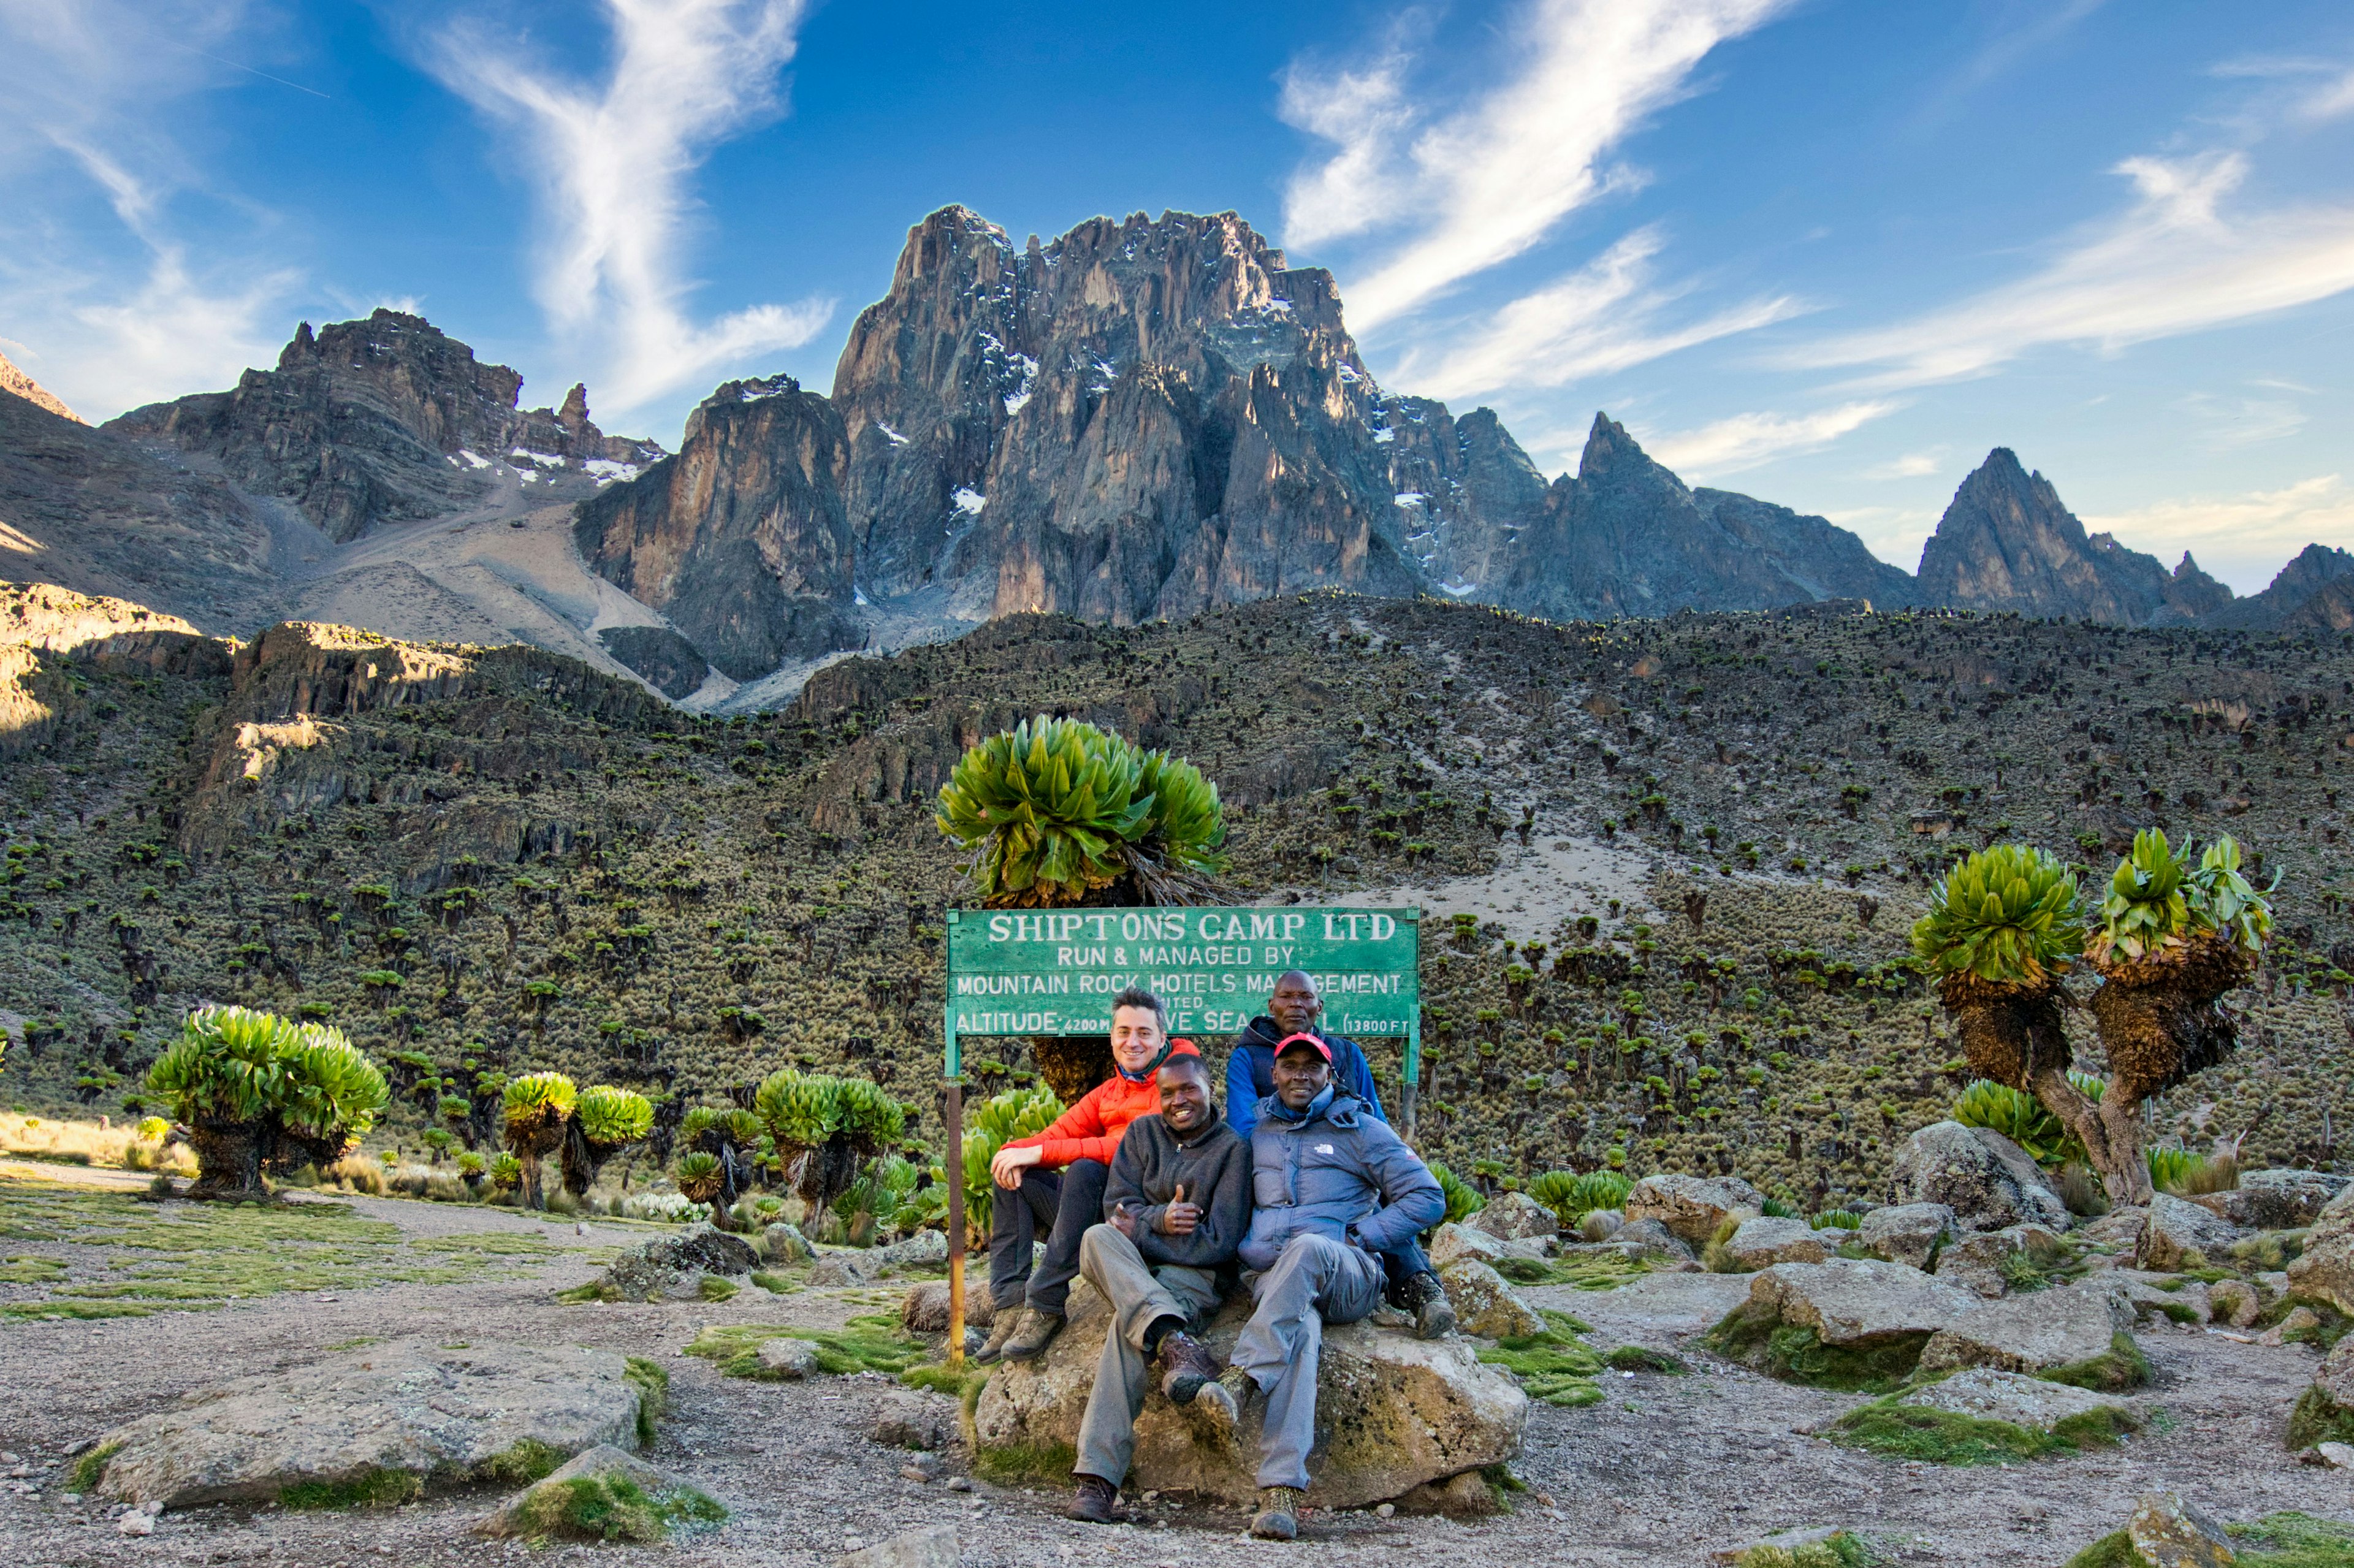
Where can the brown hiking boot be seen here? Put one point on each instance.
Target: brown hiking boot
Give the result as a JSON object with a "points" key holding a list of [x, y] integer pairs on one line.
{"points": [[1000, 1329], [1097, 1501], [1038, 1331], [1187, 1364], [1278, 1518], [1425, 1297]]}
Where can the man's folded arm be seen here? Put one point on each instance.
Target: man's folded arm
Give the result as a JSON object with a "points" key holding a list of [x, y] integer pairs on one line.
{"points": [[1225, 1216], [1412, 1200]]}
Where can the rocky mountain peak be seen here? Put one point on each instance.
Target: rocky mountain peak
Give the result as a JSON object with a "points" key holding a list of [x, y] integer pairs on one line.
{"points": [[2007, 543], [384, 419], [16, 384]]}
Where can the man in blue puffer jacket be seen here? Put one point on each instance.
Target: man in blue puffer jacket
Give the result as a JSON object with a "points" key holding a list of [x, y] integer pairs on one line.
{"points": [[1331, 1189]]}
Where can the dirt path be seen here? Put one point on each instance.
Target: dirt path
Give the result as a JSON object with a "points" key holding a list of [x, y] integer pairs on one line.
{"points": [[1661, 1471]]}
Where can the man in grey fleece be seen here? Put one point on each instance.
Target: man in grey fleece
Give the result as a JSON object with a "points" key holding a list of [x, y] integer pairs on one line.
{"points": [[1334, 1188], [1177, 1201]]}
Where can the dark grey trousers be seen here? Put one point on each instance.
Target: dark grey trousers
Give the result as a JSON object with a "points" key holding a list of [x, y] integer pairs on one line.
{"points": [[1058, 1205]]}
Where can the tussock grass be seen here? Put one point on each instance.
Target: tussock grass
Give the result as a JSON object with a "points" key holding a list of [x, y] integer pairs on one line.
{"points": [[2289, 1540], [1840, 1551], [1555, 1366], [90, 1469], [612, 1508], [370, 1488], [1798, 1354], [1639, 1359], [2123, 1367], [1950, 1437], [869, 1343]]}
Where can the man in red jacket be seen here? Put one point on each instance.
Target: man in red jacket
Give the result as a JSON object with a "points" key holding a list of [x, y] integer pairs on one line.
{"points": [[1053, 1181]]}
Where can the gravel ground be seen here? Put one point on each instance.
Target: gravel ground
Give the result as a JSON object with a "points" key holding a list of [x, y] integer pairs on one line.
{"points": [[1663, 1470]]}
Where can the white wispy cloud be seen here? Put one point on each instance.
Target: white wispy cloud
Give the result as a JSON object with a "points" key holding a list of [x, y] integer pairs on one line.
{"points": [[1480, 181], [1608, 315], [1894, 534], [2180, 259], [92, 89], [1907, 465], [612, 160], [2244, 538], [1745, 441]]}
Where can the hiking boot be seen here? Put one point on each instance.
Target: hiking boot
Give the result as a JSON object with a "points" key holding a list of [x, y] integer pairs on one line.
{"points": [[1001, 1330], [1425, 1297], [1187, 1365], [1278, 1518], [1038, 1331], [1097, 1501]]}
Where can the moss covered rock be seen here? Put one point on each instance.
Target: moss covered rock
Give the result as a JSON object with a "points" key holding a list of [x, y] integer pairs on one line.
{"points": [[1847, 1324]]}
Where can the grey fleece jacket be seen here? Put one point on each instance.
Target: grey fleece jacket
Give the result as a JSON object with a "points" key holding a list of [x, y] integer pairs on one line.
{"points": [[1338, 1172], [1214, 1169]]}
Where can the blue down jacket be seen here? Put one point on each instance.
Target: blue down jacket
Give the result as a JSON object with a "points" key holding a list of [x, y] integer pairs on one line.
{"points": [[1338, 1173]]}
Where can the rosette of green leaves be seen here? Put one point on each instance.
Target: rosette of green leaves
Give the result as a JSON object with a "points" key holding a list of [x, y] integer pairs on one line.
{"points": [[610, 1117], [801, 1110], [1571, 1196], [506, 1170], [699, 1175], [1463, 1200], [1049, 806], [1186, 824], [2021, 1117], [2005, 915], [330, 1092], [991, 1126], [538, 1101], [870, 1118], [2149, 903], [228, 1066], [2227, 903]]}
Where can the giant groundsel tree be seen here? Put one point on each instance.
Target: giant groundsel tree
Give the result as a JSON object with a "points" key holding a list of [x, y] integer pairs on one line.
{"points": [[2172, 935], [261, 1095]]}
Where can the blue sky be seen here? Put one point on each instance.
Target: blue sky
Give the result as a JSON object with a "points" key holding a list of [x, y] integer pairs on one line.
{"points": [[1825, 251]]}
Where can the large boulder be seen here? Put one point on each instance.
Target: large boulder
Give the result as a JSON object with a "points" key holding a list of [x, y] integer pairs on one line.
{"points": [[1845, 1323], [675, 1268], [535, 1512], [1764, 1239], [2180, 1234], [1692, 1208], [1393, 1413], [2079, 1333], [1986, 1179], [1516, 1216], [2029, 1402], [1988, 1263], [382, 1424], [2274, 1200], [1908, 1232], [1485, 1303], [2167, 1531], [925, 1309], [2325, 1271], [1647, 1238], [2326, 1412], [1451, 1243]]}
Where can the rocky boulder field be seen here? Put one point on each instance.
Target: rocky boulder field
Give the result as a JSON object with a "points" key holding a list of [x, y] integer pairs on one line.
{"points": [[1684, 1380]]}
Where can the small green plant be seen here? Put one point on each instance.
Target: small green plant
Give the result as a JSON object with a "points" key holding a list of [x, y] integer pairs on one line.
{"points": [[1555, 1366], [2148, 906], [1462, 1200], [2021, 1117], [1571, 1196], [610, 1508], [990, 1127]]}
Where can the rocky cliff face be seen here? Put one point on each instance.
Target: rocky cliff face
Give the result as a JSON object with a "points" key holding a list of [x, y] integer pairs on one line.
{"points": [[384, 420], [86, 511], [2305, 593], [1624, 536], [2006, 543], [15, 383], [741, 539]]}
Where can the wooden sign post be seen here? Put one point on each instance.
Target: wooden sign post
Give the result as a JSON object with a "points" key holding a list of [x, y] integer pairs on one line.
{"points": [[1054, 971]]}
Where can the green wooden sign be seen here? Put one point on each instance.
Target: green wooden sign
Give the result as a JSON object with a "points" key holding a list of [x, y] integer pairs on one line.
{"points": [[1054, 971]]}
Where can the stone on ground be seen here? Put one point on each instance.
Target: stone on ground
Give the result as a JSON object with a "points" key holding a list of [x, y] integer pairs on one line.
{"points": [[1908, 1234], [2180, 1234], [2120, 1227], [675, 1268], [1976, 1262], [413, 1407], [1692, 1207], [1398, 1411], [921, 1250], [1516, 1216], [509, 1518], [926, 1309], [2325, 1270], [2187, 1302], [2274, 1200], [2326, 1412], [844, 1267], [2045, 1331], [1993, 1396], [1452, 1241], [909, 1419], [1848, 1321], [787, 1358], [1766, 1240], [935, 1547], [784, 1242], [2234, 1301], [2171, 1531], [1986, 1179], [1485, 1302], [1648, 1238]]}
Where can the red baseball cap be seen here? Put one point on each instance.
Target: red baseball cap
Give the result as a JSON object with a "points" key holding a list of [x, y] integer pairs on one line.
{"points": [[1303, 1038]]}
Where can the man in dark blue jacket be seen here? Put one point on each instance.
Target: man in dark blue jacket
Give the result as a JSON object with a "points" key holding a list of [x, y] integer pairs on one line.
{"points": [[1293, 1009], [1332, 1188]]}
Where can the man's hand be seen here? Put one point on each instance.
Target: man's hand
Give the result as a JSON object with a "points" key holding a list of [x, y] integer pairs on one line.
{"points": [[1007, 1167], [1123, 1220], [1181, 1218]]}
